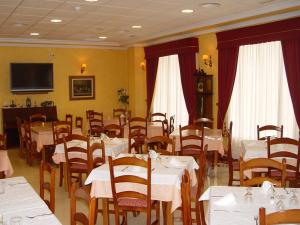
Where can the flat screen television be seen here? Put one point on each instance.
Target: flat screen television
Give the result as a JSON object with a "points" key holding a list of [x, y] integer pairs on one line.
{"points": [[31, 77]]}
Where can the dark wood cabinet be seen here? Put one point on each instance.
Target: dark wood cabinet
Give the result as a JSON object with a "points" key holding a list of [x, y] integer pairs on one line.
{"points": [[9, 120], [204, 96]]}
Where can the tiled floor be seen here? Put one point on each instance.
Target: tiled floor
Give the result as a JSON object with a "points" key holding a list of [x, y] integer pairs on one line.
{"points": [[62, 206]]}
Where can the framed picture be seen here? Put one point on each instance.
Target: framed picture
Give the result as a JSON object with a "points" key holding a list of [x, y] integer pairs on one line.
{"points": [[82, 87]]}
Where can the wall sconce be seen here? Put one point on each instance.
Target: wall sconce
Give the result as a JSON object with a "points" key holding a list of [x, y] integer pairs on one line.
{"points": [[143, 65], [207, 60], [83, 68]]}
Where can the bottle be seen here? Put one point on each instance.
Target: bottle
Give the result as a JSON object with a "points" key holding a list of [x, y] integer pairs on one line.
{"points": [[28, 102]]}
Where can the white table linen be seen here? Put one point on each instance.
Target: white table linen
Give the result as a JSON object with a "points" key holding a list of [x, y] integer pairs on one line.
{"points": [[240, 209], [5, 164], [20, 199], [165, 180]]}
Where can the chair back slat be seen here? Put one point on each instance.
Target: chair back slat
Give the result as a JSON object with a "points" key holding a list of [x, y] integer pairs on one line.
{"points": [[290, 216], [269, 128], [49, 186], [161, 144]]}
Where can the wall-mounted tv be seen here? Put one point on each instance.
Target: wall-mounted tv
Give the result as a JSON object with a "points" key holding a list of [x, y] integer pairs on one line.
{"points": [[31, 77]]}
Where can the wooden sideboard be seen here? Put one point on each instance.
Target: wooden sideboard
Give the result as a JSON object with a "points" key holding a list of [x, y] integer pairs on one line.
{"points": [[9, 120]]}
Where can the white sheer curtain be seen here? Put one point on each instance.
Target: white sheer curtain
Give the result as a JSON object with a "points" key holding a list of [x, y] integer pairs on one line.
{"points": [[168, 95], [260, 94]]}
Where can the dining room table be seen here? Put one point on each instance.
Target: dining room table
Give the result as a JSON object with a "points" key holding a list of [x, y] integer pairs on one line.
{"points": [[166, 174], [229, 205], [5, 164], [20, 203]]}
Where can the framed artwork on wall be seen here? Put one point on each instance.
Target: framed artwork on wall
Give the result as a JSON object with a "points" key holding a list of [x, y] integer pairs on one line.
{"points": [[81, 87]]}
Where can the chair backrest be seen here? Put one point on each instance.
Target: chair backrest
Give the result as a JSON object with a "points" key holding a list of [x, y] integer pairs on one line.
{"points": [[69, 118], [136, 140], [19, 125], [171, 125], [59, 130], [206, 122], [2, 141], [290, 216], [114, 130], [131, 180], [161, 144], [227, 138], [268, 128], [96, 123], [82, 194], [71, 153], [284, 152], [165, 128], [118, 112], [79, 122], [158, 117], [259, 163], [37, 118], [191, 139], [96, 160], [89, 113], [27, 132], [48, 186], [186, 198], [138, 123]]}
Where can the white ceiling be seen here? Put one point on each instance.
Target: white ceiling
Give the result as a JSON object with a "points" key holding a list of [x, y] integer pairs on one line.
{"points": [[114, 18]]}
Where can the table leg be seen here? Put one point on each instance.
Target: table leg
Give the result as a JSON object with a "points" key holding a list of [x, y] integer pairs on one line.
{"points": [[167, 214], [105, 211]]}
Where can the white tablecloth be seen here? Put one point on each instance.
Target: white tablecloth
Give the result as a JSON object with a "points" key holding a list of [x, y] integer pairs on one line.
{"points": [[20, 199], [165, 180], [113, 147], [240, 210]]}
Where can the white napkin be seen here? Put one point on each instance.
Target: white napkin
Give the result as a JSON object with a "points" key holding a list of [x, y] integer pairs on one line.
{"points": [[104, 137], [266, 186], [153, 154], [228, 200]]}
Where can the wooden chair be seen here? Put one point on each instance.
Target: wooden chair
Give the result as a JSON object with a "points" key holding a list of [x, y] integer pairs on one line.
{"points": [[37, 118], [31, 146], [290, 216], [114, 130], [128, 200], [186, 198], [82, 194], [260, 163], [78, 122], [158, 117], [96, 123], [165, 128], [276, 129], [138, 123], [206, 122], [48, 186], [161, 144], [89, 114], [233, 165], [191, 139], [59, 130], [274, 153], [118, 112], [136, 141], [22, 139], [76, 164], [69, 118], [96, 160], [171, 125]]}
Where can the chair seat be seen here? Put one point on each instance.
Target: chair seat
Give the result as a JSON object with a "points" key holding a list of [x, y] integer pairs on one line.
{"points": [[130, 202], [78, 168]]}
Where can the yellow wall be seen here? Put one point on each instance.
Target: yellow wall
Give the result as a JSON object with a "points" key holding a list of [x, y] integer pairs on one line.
{"points": [[208, 46], [108, 66]]}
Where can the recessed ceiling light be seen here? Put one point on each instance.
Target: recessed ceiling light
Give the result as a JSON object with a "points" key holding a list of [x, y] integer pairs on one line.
{"points": [[56, 20], [77, 8], [136, 26], [210, 5], [91, 0], [187, 11], [102, 37], [34, 34]]}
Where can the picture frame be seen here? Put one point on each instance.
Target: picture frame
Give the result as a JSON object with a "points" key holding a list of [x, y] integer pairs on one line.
{"points": [[81, 87]]}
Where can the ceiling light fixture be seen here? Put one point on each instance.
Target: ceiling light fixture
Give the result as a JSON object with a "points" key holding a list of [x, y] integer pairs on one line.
{"points": [[136, 27], [34, 34], [187, 11], [102, 37], [56, 20], [210, 5]]}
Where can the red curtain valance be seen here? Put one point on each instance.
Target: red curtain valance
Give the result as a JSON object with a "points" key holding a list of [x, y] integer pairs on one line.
{"points": [[188, 45], [276, 31]]}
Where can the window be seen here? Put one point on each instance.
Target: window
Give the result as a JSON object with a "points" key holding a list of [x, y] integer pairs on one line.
{"points": [[168, 95], [260, 94]]}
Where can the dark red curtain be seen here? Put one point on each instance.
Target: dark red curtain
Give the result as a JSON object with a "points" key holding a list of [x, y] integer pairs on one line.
{"points": [[228, 43], [186, 50], [187, 64], [151, 70], [291, 55], [227, 58]]}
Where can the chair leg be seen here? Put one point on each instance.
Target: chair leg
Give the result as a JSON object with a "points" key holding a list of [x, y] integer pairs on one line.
{"points": [[157, 212], [61, 173], [198, 216], [164, 208], [201, 210]]}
